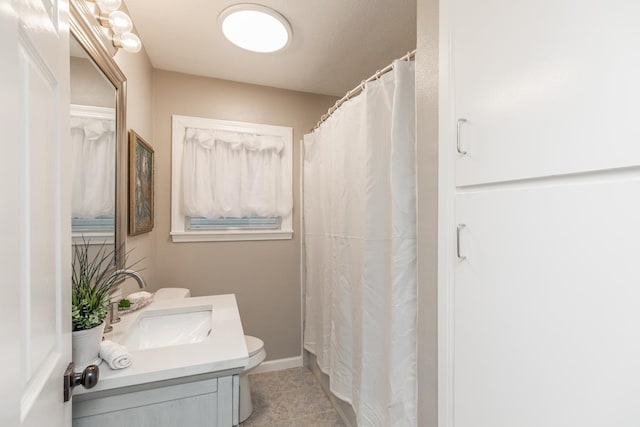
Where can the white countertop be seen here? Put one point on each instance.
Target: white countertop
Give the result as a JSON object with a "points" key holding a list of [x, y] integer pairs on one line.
{"points": [[223, 349]]}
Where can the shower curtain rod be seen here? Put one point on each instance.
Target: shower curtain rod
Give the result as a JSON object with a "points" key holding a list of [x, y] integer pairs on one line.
{"points": [[356, 90]]}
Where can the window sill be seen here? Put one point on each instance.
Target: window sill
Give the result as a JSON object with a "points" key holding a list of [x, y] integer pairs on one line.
{"points": [[230, 235]]}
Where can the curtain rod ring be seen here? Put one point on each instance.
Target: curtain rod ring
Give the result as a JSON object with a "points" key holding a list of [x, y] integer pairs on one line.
{"points": [[377, 74]]}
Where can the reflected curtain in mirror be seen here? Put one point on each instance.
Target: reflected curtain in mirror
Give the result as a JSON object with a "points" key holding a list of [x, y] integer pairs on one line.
{"points": [[94, 151]]}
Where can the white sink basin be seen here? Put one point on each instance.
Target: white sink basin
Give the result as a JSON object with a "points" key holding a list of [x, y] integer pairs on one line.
{"points": [[169, 327]]}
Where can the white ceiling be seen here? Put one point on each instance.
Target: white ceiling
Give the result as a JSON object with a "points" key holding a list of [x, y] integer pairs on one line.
{"points": [[336, 43]]}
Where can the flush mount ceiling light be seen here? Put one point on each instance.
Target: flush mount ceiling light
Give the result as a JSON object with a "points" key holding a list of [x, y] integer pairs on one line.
{"points": [[254, 27]]}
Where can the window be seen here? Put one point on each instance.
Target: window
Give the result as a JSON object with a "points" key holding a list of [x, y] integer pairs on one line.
{"points": [[230, 181]]}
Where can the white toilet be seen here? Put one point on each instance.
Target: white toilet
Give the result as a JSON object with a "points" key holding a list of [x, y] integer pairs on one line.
{"points": [[257, 354]]}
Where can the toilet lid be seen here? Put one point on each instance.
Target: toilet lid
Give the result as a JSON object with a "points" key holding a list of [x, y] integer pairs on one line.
{"points": [[254, 344]]}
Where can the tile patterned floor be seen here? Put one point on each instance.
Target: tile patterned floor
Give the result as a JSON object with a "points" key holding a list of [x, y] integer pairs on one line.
{"points": [[290, 398]]}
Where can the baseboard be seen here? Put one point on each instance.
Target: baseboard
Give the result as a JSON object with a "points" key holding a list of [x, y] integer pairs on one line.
{"points": [[278, 365]]}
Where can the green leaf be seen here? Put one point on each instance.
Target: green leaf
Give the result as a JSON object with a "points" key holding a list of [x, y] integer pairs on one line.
{"points": [[92, 280]]}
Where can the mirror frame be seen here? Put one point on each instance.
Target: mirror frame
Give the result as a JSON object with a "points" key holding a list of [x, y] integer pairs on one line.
{"points": [[89, 33]]}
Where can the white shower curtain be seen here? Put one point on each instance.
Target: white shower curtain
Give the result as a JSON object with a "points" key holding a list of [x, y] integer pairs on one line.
{"points": [[360, 250]]}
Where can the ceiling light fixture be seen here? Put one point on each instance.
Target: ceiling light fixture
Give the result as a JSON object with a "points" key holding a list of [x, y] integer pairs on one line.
{"points": [[254, 27]]}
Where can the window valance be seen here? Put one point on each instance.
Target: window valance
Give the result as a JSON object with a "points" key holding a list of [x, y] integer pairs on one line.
{"points": [[234, 174]]}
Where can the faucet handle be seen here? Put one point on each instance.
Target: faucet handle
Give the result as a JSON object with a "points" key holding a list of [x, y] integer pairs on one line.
{"points": [[115, 313], [113, 316]]}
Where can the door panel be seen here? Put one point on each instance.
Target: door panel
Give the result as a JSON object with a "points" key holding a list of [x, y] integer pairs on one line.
{"points": [[40, 91], [548, 87], [546, 305], [35, 220]]}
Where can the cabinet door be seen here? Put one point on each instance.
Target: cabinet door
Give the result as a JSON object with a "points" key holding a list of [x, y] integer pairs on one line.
{"points": [[193, 411], [547, 306], [548, 87], [199, 403]]}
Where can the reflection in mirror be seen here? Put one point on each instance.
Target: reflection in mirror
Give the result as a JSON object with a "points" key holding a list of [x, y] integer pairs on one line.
{"points": [[99, 86], [93, 135]]}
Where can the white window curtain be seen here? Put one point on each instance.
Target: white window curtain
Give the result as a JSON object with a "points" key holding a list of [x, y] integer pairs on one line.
{"points": [[94, 148], [360, 250], [234, 174]]}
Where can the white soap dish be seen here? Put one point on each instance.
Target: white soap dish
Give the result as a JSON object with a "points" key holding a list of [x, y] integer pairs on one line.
{"points": [[137, 302]]}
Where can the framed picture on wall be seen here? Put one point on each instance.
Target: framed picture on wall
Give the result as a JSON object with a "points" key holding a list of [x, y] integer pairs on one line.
{"points": [[140, 185]]}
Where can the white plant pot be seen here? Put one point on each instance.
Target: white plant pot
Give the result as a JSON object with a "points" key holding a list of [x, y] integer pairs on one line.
{"points": [[86, 347]]}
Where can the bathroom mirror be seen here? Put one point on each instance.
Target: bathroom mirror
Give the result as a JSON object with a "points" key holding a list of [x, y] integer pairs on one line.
{"points": [[98, 134]]}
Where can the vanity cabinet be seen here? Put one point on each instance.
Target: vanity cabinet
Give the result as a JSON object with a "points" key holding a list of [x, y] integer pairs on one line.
{"points": [[203, 400], [193, 384]]}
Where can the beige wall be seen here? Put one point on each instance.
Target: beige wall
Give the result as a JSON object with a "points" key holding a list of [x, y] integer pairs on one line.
{"points": [[265, 276], [139, 72], [427, 160]]}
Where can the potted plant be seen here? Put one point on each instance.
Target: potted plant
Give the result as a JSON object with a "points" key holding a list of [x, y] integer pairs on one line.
{"points": [[93, 277]]}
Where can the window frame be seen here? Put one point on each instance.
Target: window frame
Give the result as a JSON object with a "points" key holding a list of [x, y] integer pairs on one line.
{"points": [[179, 232]]}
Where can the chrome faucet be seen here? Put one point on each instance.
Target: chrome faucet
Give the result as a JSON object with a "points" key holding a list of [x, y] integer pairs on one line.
{"points": [[113, 315]]}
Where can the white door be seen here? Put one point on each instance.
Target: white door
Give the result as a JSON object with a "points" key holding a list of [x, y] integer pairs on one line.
{"points": [[35, 232]]}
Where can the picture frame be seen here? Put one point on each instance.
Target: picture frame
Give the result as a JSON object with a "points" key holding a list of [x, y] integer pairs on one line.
{"points": [[141, 185]]}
